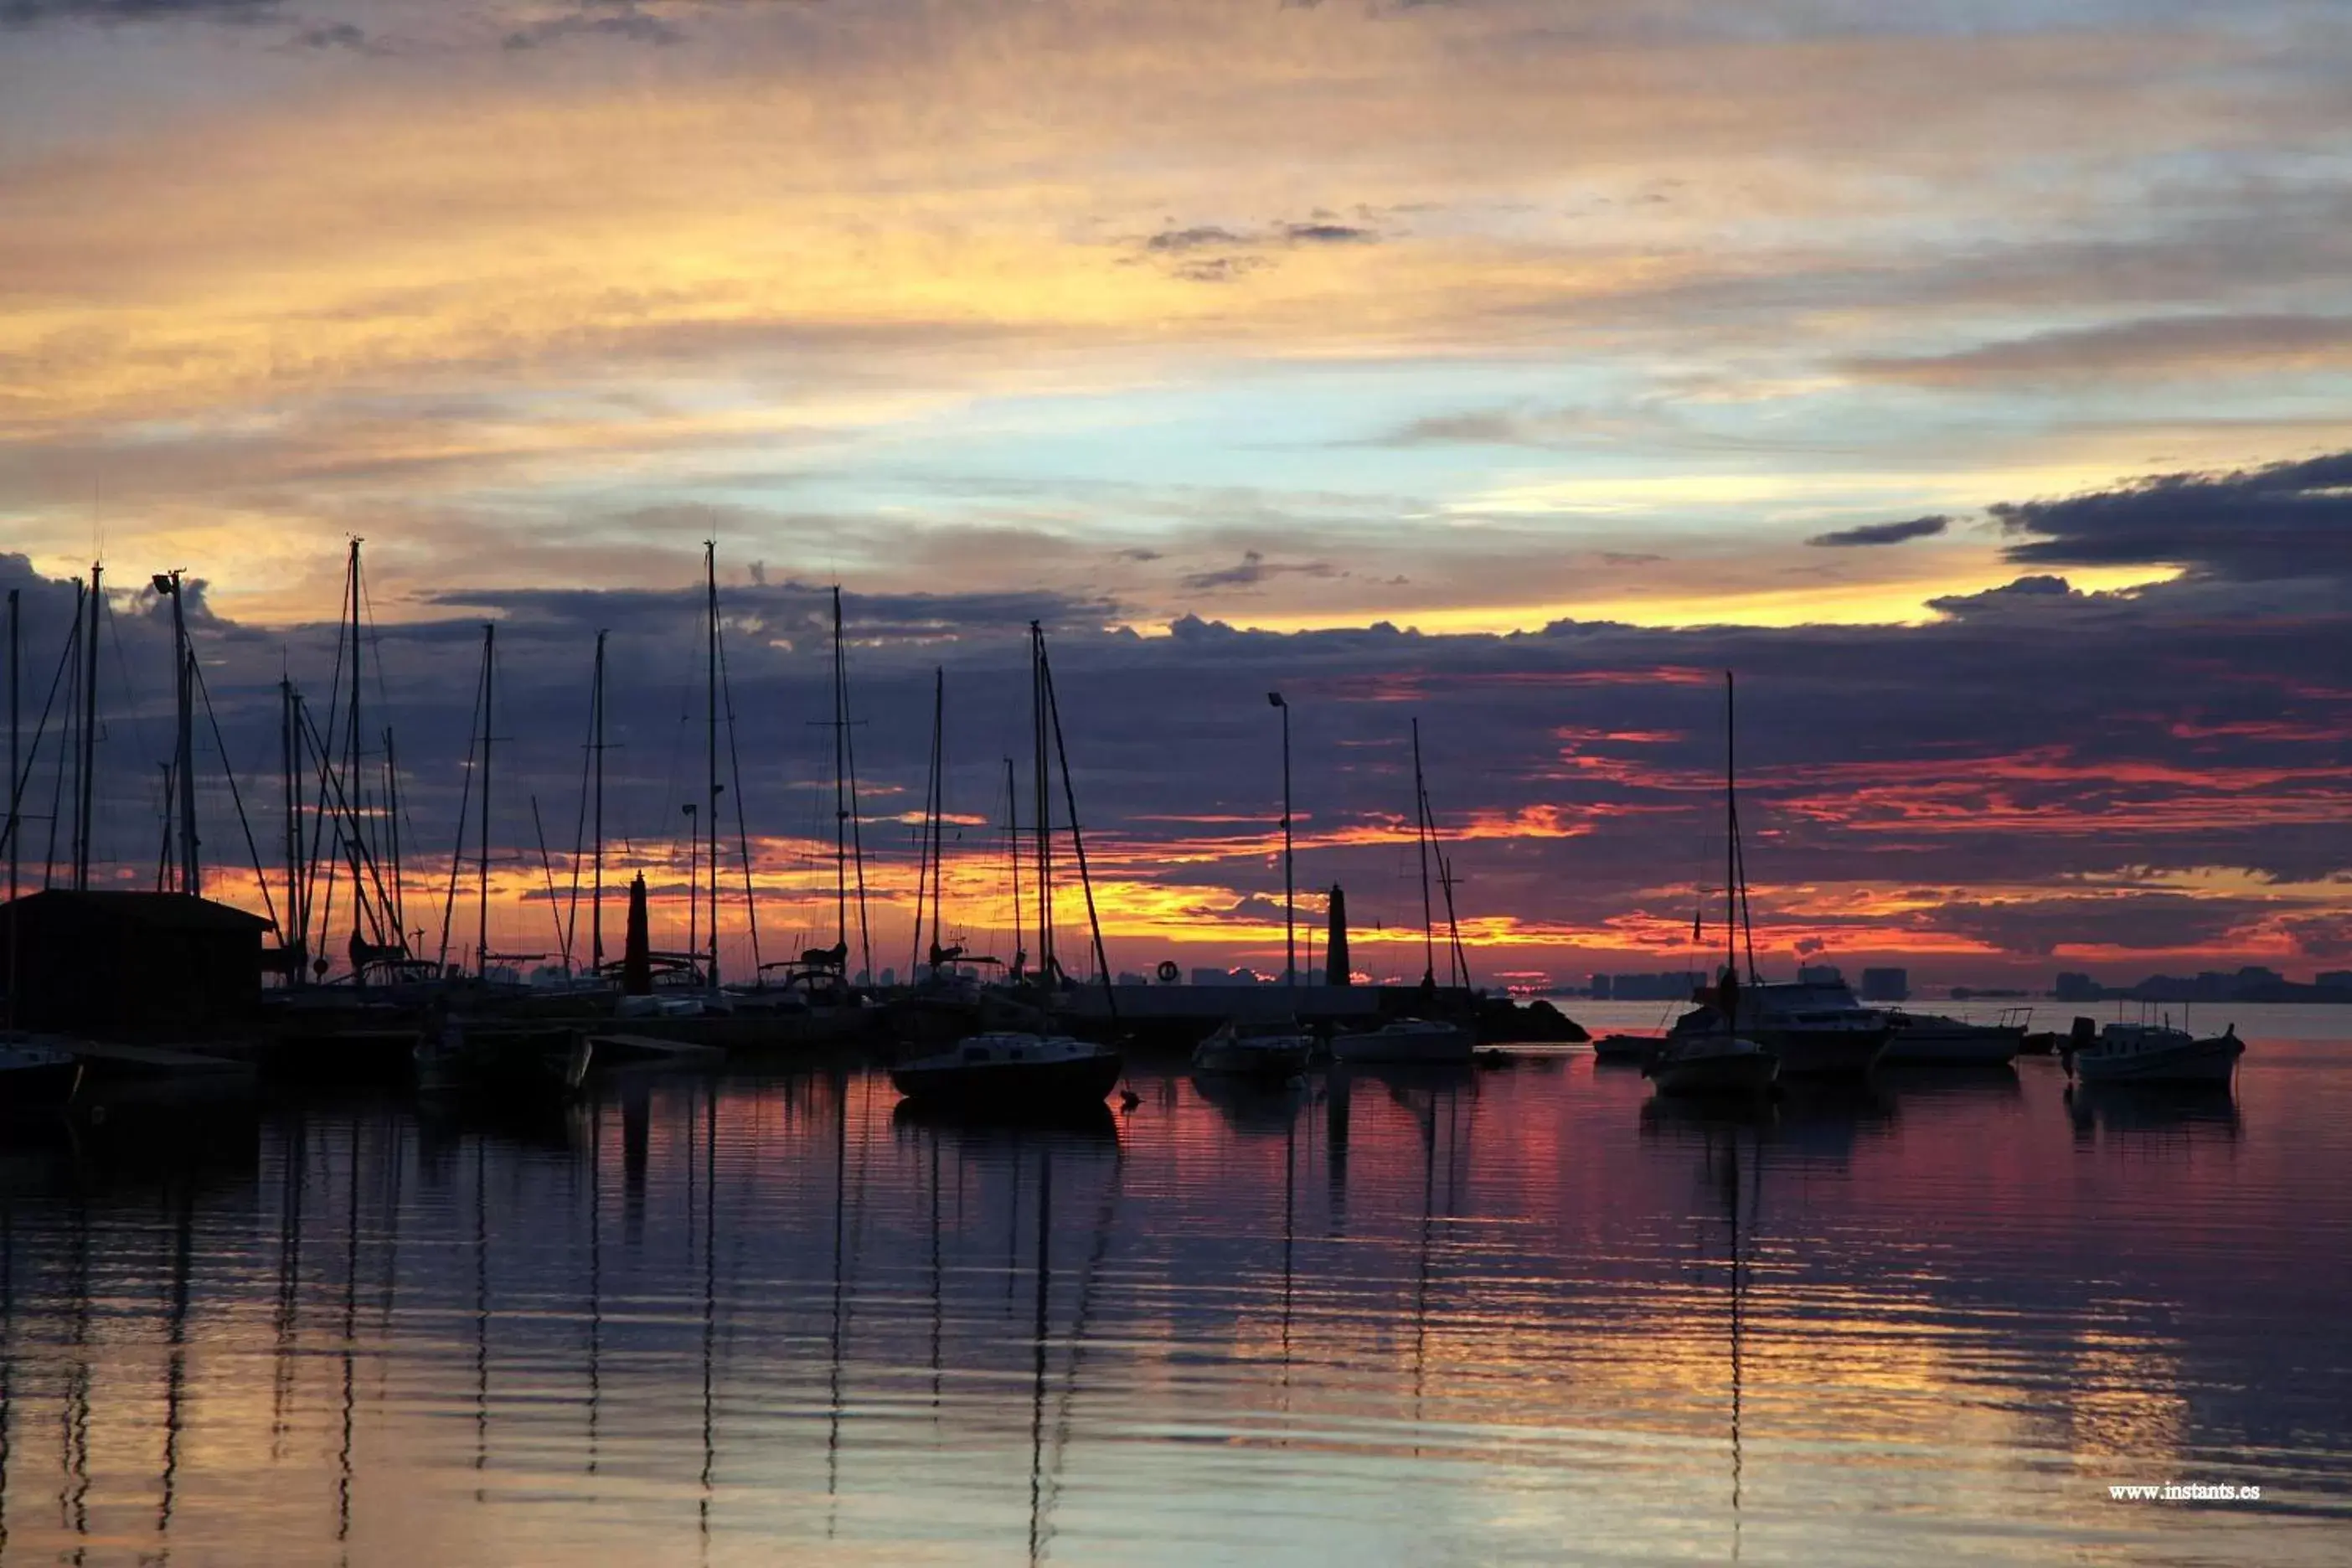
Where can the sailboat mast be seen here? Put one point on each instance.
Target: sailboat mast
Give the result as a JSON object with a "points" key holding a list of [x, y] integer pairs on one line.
{"points": [[16, 724], [1421, 842], [840, 789], [355, 782], [88, 769], [1077, 835], [596, 744], [1046, 807], [392, 826], [482, 866], [15, 780], [1730, 828], [926, 860], [939, 794], [1012, 841], [183, 737], [711, 736], [289, 943]]}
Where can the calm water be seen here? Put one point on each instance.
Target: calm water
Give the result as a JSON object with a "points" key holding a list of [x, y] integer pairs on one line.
{"points": [[1527, 1315]]}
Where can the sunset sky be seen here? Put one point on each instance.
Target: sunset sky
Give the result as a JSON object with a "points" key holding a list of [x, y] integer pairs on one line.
{"points": [[1971, 380]]}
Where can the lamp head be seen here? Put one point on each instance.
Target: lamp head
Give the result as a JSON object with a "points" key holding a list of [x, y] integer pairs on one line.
{"points": [[1274, 699]]}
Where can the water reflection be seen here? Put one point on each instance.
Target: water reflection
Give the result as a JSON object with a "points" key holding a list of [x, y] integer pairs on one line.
{"points": [[2191, 1111], [1498, 1316], [1250, 1106]]}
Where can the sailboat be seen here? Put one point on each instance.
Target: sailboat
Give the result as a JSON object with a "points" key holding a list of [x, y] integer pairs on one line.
{"points": [[1724, 1064], [1813, 1028], [820, 977], [946, 1000], [1005, 1072], [1719, 1060], [377, 948], [1419, 1040]]}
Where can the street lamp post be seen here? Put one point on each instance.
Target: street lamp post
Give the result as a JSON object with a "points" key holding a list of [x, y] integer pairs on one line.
{"points": [[1289, 888]]}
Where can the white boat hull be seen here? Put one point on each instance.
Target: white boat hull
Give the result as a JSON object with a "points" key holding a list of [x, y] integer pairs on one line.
{"points": [[1989, 1048], [1270, 1056], [1698, 1071], [2197, 1061], [1448, 1045], [1011, 1072], [1815, 1027]]}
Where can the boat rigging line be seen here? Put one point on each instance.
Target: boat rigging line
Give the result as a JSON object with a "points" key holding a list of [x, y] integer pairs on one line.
{"points": [[474, 728]]}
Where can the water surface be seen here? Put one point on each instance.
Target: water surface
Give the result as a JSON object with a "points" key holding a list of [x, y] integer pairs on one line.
{"points": [[1523, 1314]]}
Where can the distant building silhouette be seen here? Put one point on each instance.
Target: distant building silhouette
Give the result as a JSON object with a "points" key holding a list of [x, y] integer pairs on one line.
{"points": [[1674, 985], [2253, 983]]}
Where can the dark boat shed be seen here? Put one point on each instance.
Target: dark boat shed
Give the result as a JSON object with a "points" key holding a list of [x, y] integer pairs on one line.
{"points": [[108, 960]]}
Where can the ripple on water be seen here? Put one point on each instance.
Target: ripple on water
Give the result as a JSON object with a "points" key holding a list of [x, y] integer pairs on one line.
{"points": [[1522, 1315]]}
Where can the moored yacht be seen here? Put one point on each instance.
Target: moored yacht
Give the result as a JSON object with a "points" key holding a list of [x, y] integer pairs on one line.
{"points": [[1926, 1039], [1428, 1041], [1012, 1073], [1277, 1052], [1815, 1028]]}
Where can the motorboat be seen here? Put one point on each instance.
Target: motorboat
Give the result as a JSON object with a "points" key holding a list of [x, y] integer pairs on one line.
{"points": [[1815, 1027], [1426, 1041], [1276, 1053], [1634, 1050], [1927, 1039], [516, 1057], [2157, 1053], [1011, 1072], [1712, 1065]]}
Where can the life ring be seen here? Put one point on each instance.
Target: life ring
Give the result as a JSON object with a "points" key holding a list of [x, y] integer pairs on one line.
{"points": [[1168, 971]]}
